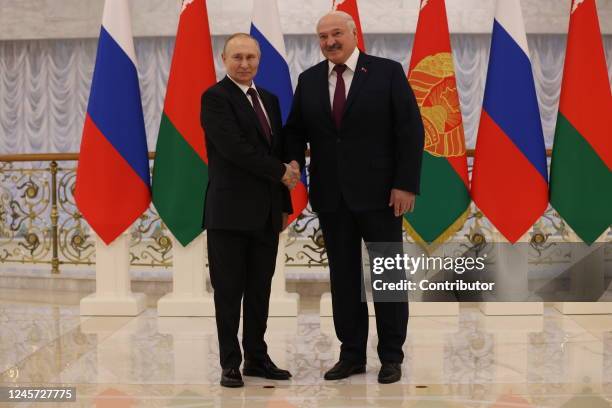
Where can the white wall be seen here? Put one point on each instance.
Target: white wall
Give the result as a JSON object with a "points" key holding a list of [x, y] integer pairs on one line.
{"points": [[39, 19]]}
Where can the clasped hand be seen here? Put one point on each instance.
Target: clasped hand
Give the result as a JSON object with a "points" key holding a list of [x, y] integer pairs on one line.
{"points": [[292, 174]]}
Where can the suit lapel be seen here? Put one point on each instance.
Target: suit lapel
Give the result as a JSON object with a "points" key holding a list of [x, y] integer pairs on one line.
{"points": [[323, 84], [243, 103], [361, 74]]}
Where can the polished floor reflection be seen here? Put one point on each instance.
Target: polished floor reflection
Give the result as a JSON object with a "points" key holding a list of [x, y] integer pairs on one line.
{"points": [[465, 361]]}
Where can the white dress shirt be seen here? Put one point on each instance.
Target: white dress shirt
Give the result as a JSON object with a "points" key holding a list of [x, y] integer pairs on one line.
{"points": [[245, 88], [347, 75]]}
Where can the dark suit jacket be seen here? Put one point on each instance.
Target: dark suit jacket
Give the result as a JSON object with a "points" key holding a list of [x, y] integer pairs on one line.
{"points": [[244, 171], [378, 147]]}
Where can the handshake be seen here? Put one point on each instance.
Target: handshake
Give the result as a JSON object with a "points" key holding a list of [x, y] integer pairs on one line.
{"points": [[292, 174]]}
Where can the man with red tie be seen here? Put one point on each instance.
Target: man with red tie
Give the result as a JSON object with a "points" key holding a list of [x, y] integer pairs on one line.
{"points": [[247, 204], [359, 116]]}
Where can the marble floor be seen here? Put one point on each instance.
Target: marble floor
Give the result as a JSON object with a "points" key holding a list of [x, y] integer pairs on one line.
{"points": [[465, 361]]}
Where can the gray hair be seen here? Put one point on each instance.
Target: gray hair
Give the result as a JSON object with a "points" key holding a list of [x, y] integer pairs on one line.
{"points": [[241, 35], [350, 23]]}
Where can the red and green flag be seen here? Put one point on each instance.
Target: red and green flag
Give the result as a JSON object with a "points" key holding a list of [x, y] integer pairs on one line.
{"points": [[581, 168], [180, 173], [442, 207], [350, 7]]}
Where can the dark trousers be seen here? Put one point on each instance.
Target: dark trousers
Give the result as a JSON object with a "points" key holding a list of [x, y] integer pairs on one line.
{"points": [[343, 231], [242, 265]]}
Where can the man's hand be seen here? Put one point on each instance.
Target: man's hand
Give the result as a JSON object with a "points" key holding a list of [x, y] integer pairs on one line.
{"points": [[401, 201], [285, 221], [295, 165], [291, 176]]}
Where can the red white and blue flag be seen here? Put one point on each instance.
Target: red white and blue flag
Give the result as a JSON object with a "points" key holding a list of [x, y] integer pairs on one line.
{"points": [[112, 186], [273, 75], [509, 179]]}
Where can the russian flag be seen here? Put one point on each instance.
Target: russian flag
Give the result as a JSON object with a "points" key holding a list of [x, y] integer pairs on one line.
{"points": [[273, 75], [509, 179], [112, 185]]}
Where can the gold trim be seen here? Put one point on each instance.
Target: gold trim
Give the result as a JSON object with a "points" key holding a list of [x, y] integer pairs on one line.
{"points": [[451, 230], [33, 157]]}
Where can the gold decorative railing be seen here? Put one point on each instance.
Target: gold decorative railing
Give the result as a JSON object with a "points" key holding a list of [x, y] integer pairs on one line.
{"points": [[40, 223]]}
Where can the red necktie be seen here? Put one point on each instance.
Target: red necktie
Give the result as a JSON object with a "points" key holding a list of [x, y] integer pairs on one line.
{"points": [[260, 114], [339, 95]]}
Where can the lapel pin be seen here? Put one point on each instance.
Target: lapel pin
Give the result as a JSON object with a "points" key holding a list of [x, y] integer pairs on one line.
{"points": [[363, 69]]}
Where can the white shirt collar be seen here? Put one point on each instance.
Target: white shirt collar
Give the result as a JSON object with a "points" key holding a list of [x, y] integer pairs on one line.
{"points": [[351, 62], [243, 88]]}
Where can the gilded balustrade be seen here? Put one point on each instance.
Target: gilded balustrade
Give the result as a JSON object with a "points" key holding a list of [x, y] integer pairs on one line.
{"points": [[40, 223]]}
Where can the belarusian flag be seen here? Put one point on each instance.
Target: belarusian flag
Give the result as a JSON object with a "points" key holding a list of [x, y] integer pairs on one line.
{"points": [[180, 175], [442, 207], [350, 7], [581, 169]]}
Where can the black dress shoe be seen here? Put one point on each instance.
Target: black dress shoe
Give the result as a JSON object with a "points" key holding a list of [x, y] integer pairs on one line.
{"points": [[344, 369], [265, 369], [389, 373], [230, 377]]}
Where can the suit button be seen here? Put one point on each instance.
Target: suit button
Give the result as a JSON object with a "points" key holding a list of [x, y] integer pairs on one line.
{"points": [[338, 140]]}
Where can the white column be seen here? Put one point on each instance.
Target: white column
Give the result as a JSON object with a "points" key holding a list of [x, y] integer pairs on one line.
{"points": [[189, 296], [325, 305], [511, 277], [113, 296], [587, 278], [282, 303]]}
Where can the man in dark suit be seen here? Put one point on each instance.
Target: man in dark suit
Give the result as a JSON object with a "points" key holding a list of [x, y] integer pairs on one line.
{"points": [[247, 204], [360, 117]]}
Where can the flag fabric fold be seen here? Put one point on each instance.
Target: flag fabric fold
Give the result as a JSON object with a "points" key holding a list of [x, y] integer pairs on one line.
{"points": [[581, 168], [509, 179], [273, 75], [112, 182], [180, 173], [442, 207]]}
